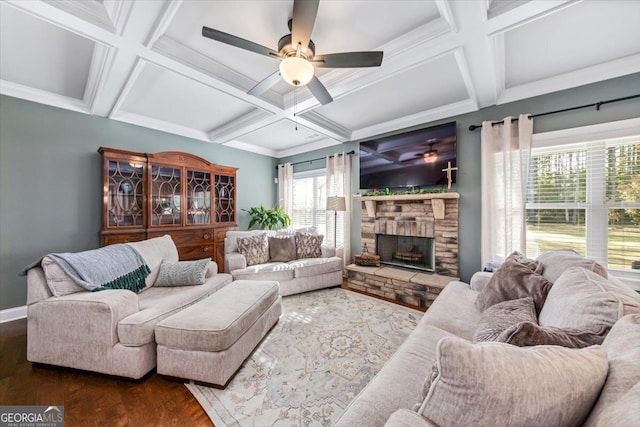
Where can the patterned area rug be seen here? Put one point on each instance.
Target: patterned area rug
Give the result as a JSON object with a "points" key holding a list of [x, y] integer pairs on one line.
{"points": [[325, 348]]}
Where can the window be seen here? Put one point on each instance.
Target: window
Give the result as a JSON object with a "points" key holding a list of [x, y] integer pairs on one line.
{"points": [[585, 194], [309, 206]]}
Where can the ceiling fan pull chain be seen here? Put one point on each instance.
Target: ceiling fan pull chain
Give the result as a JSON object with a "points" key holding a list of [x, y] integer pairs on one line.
{"points": [[295, 104]]}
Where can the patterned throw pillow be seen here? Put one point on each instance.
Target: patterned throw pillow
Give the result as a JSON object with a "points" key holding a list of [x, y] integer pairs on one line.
{"points": [[182, 273], [308, 245], [255, 248]]}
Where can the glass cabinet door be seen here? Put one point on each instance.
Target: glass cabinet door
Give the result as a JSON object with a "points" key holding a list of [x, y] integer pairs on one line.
{"points": [[198, 197], [225, 198], [165, 195], [125, 194]]}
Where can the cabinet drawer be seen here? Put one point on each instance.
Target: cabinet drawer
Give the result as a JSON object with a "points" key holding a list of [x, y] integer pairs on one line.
{"points": [[111, 239], [201, 236], [186, 253]]}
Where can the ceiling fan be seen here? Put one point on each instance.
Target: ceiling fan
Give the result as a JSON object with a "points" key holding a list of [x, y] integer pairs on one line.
{"points": [[296, 51]]}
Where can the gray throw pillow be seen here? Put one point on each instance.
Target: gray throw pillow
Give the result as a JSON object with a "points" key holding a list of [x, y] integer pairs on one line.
{"points": [[554, 263], [514, 280], [255, 248], [308, 245], [530, 333], [182, 273], [282, 249], [496, 384], [585, 301], [504, 315]]}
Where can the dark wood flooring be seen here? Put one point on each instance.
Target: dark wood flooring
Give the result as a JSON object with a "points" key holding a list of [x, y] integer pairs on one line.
{"points": [[91, 399]]}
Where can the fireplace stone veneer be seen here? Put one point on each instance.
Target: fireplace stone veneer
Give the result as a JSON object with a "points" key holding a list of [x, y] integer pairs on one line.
{"points": [[420, 215]]}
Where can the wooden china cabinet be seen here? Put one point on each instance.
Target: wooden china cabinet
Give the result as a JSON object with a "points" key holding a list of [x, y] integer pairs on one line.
{"points": [[149, 195]]}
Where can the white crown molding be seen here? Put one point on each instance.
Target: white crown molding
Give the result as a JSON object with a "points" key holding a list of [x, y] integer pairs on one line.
{"points": [[88, 10], [100, 64], [14, 313], [465, 72], [161, 125], [119, 12], [43, 97], [525, 14], [251, 148], [325, 126], [246, 123], [434, 114], [305, 148], [593, 74], [163, 22]]}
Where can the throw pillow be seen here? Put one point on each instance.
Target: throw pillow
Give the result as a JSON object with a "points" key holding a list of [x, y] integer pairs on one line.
{"points": [[495, 384], [182, 273], [255, 248], [503, 315], [530, 333], [528, 262], [308, 245], [554, 263], [585, 301], [282, 249], [514, 280], [619, 402]]}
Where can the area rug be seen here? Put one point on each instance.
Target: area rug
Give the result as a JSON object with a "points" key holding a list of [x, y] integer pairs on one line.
{"points": [[325, 348]]}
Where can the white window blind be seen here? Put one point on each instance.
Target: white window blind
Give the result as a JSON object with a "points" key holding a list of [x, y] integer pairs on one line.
{"points": [[309, 200], [586, 196]]}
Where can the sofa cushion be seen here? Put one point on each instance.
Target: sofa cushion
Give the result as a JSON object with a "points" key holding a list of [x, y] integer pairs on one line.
{"points": [[619, 402], [254, 248], [182, 273], [154, 251], [514, 280], [159, 303], [58, 281], [315, 266], [308, 245], [498, 384], [282, 248], [554, 263], [277, 271], [526, 334], [503, 315], [230, 240], [583, 300], [454, 310]]}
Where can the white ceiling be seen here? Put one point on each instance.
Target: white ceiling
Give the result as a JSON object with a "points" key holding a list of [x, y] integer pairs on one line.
{"points": [[145, 62]]}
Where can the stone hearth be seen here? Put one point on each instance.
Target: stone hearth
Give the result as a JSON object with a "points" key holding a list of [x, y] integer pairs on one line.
{"points": [[420, 215]]}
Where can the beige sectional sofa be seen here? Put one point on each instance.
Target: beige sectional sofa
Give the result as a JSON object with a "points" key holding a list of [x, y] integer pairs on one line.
{"points": [[439, 377], [111, 332], [295, 276]]}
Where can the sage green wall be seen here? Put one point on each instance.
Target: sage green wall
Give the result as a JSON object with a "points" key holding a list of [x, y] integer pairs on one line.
{"points": [[468, 182], [51, 179]]}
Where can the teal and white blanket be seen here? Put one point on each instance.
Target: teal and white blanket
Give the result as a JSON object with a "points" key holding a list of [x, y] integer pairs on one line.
{"points": [[111, 267]]}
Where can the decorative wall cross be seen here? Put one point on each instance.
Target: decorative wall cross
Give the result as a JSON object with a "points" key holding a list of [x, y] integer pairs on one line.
{"points": [[448, 170]]}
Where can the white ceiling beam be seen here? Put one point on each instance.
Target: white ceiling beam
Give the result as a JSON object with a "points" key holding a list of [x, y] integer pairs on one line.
{"points": [[525, 13]]}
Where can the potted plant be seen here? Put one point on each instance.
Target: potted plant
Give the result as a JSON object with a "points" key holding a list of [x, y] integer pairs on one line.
{"points": [[268, 219]]}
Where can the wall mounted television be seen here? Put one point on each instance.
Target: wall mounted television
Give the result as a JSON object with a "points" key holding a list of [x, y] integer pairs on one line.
{"points": [[411, 160]]}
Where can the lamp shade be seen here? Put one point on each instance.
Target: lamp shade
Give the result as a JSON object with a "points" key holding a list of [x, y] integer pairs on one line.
{"points": [[296, 71], [336, 203]]}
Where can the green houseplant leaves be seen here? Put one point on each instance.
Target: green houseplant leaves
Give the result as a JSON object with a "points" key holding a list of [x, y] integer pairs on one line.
{"points": [[268, 219]]}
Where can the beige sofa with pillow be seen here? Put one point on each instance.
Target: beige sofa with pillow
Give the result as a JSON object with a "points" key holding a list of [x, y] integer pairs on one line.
{"points": [[556, 344], [295, 259], [112, 331]]}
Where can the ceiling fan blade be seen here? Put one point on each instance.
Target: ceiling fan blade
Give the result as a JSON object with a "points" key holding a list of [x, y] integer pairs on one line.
{"points": [[348, 60], [319, 91], [304, 17], [237, 42], [265, 84]]}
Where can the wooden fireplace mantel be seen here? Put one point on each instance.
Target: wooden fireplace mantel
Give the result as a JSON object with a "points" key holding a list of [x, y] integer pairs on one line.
{"points": [[437, 201]]}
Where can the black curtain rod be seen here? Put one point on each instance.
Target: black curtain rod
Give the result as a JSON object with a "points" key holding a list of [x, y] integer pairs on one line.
{"points": [[315, 160], [595, 104]]}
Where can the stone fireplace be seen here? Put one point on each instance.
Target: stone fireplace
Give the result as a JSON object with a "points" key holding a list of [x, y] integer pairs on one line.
{"points": [[423, 256]]}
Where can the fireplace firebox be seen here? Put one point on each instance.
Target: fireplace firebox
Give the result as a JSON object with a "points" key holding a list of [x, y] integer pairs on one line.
{"points": [[406, 251]]}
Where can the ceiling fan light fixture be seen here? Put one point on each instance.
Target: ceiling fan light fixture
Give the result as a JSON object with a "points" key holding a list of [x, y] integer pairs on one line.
{"points": [[296, 70]]}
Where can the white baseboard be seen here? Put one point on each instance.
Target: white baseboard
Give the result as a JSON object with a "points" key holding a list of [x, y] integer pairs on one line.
{"points": [[14, 313]]}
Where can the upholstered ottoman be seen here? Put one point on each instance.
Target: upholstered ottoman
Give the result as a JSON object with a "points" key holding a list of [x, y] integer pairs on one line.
{"points": [[209, 341]]}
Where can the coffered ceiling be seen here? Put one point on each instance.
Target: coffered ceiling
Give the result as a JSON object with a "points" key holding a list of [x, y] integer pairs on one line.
{"points": [[145, 62]]}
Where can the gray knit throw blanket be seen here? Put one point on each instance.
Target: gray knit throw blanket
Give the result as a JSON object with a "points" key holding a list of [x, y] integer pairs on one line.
{"points": [[111, 267]]}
